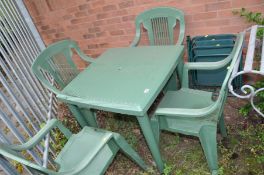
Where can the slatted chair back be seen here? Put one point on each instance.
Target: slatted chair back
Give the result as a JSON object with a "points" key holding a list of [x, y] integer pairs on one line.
{"points": [[56, 62], [160, 23]]}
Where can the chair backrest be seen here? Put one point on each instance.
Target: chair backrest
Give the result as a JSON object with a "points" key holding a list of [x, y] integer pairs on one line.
{"points": [[235, 57], [55, 62], [160, 23]]}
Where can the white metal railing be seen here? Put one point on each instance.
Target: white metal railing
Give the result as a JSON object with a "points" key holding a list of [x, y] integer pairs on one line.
{"points": [[24, 103], [249, 92]]}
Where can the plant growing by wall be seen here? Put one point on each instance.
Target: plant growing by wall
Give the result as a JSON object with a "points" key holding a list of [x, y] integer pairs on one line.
{"points": [[252, 17]]}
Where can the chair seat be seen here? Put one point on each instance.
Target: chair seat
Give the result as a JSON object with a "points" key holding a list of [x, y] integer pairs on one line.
{"points": [[186, 98], [85, 148]]}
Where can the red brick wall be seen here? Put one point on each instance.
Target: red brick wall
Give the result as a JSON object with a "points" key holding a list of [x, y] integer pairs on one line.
{"points": [[100, 24]]}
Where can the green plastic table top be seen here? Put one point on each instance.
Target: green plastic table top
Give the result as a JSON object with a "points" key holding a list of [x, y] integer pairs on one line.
{"points": [[124, 80]]}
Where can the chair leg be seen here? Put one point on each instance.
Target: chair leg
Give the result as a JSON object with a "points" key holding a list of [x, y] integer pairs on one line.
{"points": [[129, 151], [207, 136], [222, 126], [155, 127]]}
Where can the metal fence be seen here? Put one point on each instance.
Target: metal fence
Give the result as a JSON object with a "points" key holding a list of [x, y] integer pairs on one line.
{"points": [[24, 104]]}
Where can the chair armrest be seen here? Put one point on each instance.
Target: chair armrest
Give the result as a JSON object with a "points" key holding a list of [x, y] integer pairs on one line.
{"points": [[83, 56], [135, 41], [137, 37], [202, 66], [41, 134], [181, 33], [190, 113], [6, 152]]}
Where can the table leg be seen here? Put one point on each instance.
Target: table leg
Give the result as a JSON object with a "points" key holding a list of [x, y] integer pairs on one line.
{"points": [[90, 117], [179, 67], [172, 83], [151, 141], [78, 115]]}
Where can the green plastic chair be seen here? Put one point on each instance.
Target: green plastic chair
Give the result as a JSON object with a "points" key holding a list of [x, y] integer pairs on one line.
{"points": [[194, 112], [56, 63], [160, 23], [91, 151]]}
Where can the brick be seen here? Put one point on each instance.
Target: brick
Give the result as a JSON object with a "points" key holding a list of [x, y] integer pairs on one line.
{"points": [[79, 20], [59, 35], [144, 1], [80, 14], [117, 32], [194, 8], [45, 27], [220, 22], [88, 36], [71, 27], [38, 24], [109, 8], [218, 6], [236, 20], [195, 24], [72, 10], [127, 25], [94, 30], [99, 23], [101, 34], [126, 4], [113, 20], [102, 24], [204, 16], [203, 1], [188, 18], [98, 3], [92, 46], [203, 31], [50, 31], [83, 6], [245, 3], [129, 18], [225, 14], [120, 12], [39, 18], [67, 17], [233, 29], [102, 16], [94, 10], [104, 45]]}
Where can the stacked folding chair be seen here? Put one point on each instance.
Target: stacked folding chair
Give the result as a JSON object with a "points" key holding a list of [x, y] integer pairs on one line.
{"points": [[210, 48]]}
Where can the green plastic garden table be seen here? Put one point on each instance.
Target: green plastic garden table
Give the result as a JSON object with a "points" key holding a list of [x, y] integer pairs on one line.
{"points": [[126, 81]]}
